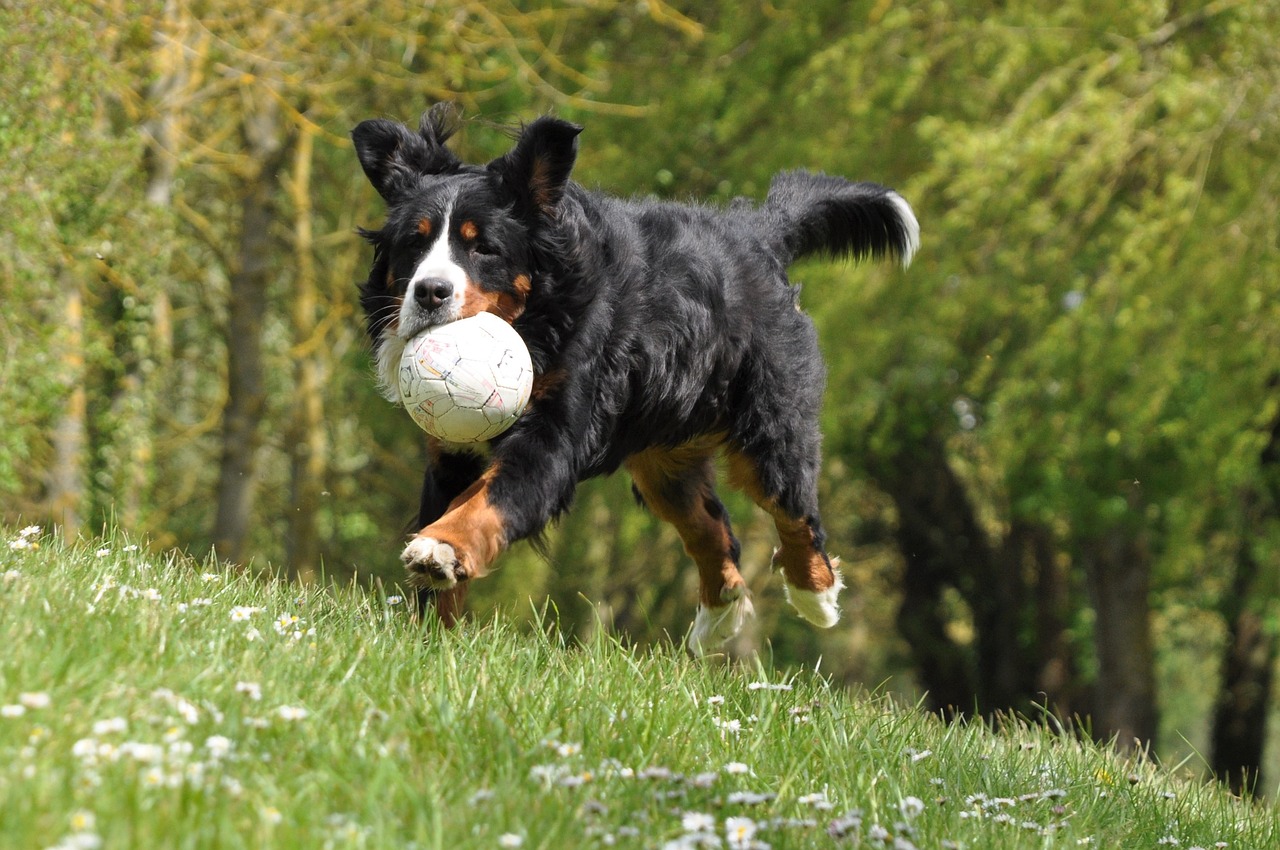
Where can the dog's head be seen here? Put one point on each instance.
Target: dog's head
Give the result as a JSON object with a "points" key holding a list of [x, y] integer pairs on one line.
{"points": [[458, 238]]}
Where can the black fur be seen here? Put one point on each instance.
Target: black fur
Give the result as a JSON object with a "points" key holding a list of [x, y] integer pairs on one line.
{"points": [[651, 324]]}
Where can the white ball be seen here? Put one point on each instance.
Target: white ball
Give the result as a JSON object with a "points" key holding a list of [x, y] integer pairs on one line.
{"points": [[467, 381]]}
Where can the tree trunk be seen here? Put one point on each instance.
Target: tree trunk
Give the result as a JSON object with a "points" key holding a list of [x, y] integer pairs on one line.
{"points": [[66, 478], [1248, 665], [1118, 571], [1056, 674], [246, 308], [1244, 698], [941, 543], [308, 446], [1015, 591]]}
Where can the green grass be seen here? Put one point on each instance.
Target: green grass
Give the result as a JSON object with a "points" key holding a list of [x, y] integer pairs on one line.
{"points": [[149, 701]]}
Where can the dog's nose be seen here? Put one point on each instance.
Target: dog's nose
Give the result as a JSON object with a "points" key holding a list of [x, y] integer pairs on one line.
{"points": [[432, 293]]}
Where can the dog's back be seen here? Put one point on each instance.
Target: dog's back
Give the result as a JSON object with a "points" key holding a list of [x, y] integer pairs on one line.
{"points": [[686, 311]]}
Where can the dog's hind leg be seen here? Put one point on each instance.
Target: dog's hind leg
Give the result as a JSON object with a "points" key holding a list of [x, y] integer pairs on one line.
{"points": [[787, 489], [678, 486]]}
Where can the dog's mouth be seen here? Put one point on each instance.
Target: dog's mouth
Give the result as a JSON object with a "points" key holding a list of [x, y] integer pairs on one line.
{"points": [[412, 327], [417, 321]]}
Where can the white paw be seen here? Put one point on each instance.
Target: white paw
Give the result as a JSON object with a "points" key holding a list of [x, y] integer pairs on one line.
{"points": [[713, 626], [821, 608], [432, 565]]}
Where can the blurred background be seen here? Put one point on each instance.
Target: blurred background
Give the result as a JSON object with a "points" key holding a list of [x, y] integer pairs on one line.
{"points": [[1052, 446]]}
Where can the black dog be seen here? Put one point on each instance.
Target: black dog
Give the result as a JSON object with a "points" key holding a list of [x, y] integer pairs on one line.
{"points": [[661, 335]]}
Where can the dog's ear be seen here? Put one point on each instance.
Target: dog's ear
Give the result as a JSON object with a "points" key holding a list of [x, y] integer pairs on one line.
{"points": [[537, 169], [394, 157]]}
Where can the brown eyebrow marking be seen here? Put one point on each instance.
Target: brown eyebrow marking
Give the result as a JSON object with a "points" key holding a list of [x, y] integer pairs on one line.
{"points": [[424, 227], [468, 230]]}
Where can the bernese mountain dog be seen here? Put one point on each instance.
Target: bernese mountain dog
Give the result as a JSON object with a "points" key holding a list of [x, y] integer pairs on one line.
{"points": [[662, 335]]}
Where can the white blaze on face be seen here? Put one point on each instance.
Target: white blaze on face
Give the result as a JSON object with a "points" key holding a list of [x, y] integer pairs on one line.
{"points": [[438, 264]]}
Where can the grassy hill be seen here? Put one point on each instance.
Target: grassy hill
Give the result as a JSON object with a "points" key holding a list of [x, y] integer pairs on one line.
{"points": [[150, 701]]}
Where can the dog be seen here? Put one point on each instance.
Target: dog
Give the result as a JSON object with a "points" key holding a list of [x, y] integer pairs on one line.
{"points": [[662, 336]]}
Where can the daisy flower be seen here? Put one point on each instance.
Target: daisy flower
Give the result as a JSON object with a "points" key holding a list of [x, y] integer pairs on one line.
{"points": [[739, 832]]}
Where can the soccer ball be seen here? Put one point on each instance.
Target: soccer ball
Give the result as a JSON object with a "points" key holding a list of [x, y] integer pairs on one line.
{"points": [[467, 381]]}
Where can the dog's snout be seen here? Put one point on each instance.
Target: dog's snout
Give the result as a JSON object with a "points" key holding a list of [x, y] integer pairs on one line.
{"points": [[432, 293]]}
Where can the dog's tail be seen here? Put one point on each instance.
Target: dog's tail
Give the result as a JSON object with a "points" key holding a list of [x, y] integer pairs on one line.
{"points": [[815, 213]]}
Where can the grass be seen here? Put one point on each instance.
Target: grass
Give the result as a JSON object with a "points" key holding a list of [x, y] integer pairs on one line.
{"points": [[150, 701]]}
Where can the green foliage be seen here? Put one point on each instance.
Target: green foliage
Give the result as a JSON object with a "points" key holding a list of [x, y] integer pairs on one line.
{"points": [[147, 699]]}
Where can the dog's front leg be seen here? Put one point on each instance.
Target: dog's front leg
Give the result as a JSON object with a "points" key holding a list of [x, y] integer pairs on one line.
{"points": [[462, 543]]}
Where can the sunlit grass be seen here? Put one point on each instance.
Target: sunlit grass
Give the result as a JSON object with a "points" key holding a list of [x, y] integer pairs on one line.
{"points": [[150, 701]]}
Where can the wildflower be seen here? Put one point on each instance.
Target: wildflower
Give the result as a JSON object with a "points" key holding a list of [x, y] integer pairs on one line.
{"points": [[818, 800], [289, 712], [749, 798], [12, 710], [919, 756], [102, 553], [141, 753], [878, 833], [697, 822], [739, 832], [733, 727], [510, 839], [576, 780], [187, 711], [240, 613], [911, 807], [845, 826], [285, 623], [565, 750], [11, 576], [736, 768], [704, 780], [210, 577], [547, 774], [150, 594], [250, 689], [394, 600], [132, 547], [272, 815], [106, 727], [219, 746], [768, 686], [484, 795], [715, 700]]}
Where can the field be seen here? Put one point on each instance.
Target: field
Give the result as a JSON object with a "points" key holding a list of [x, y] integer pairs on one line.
{"points": [[147, 700]]}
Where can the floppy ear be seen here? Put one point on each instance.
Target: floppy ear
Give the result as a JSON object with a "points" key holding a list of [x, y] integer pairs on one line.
{"points": [[537, 168], [393, 156]]}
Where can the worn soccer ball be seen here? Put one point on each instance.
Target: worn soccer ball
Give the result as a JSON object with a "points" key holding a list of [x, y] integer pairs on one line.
{"points": [[467, 381]]}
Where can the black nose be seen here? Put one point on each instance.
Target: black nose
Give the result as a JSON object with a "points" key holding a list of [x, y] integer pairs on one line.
{"points": [[432, 293]]}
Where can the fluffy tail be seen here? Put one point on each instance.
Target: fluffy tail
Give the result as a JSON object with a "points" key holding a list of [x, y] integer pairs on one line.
{"points": [[816, 213]]}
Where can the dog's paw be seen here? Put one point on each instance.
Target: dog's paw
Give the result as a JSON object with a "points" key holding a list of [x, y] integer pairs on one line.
{"points": [[432, 564], [714, 626], [822, 608]]}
